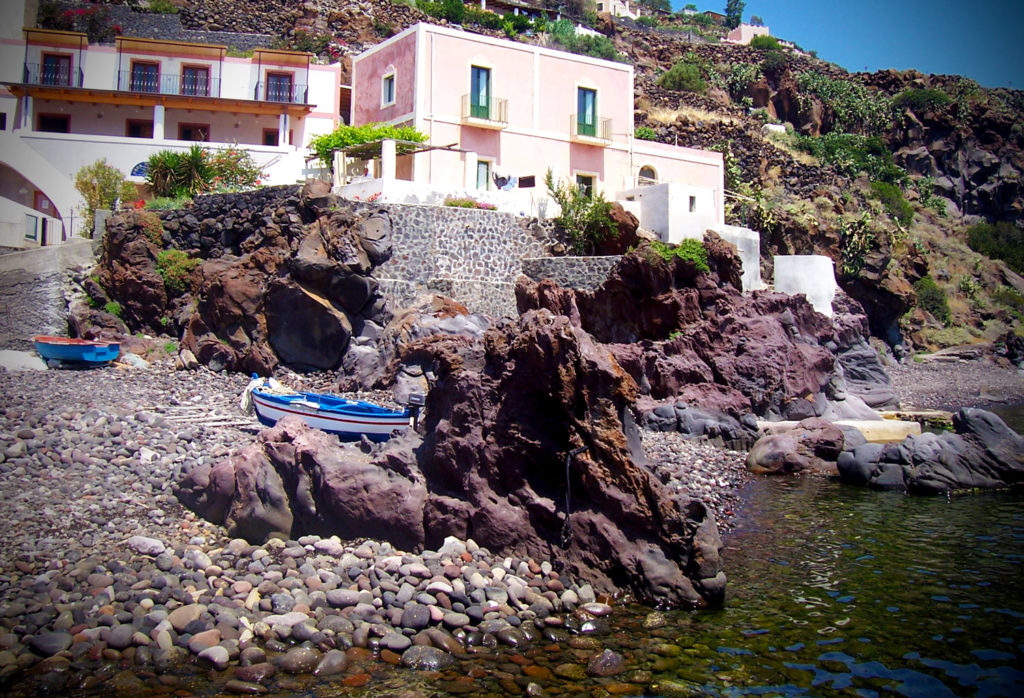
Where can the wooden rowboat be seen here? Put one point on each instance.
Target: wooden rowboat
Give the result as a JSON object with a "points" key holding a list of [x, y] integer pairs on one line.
{"points": [[80, 350], [349, 419]]}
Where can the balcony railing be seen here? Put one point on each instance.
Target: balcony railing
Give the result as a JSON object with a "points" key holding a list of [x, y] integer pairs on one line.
{"points": [[596, 132], [36, 74], [492, 114], [292, 93], [168, 84]]}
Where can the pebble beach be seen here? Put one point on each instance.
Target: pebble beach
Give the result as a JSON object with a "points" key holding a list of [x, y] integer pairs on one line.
{"points": [[107, 583]]}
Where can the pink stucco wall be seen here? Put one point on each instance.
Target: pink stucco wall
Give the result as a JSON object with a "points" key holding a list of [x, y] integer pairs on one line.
{"points": [[367, 71], [541, 88]]}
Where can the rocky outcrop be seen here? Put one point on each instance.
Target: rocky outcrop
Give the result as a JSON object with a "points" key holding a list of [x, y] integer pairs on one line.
{"points": [[505, 411], [692, 336], [983, 453], [813, 444], [280, 275]]}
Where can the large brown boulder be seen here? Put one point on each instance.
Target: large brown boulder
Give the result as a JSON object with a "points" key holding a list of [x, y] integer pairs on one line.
{"points": [[282, 275], [518, 418], [686, 334]]}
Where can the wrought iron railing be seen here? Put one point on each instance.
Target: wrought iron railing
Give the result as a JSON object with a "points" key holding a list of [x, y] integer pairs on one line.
{"points": [[293, 93], [189, 86], [60, 76], [494, 109]]}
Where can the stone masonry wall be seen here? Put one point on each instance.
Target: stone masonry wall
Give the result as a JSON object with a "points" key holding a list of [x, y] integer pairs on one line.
{"points": [[470, 255], [579, 273], [33, 287]]}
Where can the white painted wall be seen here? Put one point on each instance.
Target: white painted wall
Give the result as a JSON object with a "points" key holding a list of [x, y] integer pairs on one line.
{"points": [[810, 274], [55, 183], [748, 246], [665, 210], [13, 226], [71, 152]]}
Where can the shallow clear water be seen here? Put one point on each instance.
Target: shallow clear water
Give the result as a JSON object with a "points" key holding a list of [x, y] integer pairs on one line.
{"points": [[842, 589]]}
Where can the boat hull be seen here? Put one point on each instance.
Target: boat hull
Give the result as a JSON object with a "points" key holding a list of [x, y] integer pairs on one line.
{"points": [[375, 422], [80, 350]]}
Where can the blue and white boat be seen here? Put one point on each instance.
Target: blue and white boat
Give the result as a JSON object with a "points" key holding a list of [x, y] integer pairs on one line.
{"points": [[349, 419], [77, 350]]}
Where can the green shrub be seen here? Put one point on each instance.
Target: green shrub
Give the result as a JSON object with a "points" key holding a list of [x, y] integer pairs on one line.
{"points": [[852, 105], [113, 307], [1000, 240], [932, 298], [852, 154], [150, 225], [167, 203], [585, 216], [921, 99], [689, 250], [645, 133], [775, 63], [162, 7], [562, 33], [347, 136], [741, 76], [175, 266], [468, 202], [899, 209], [683, 77], [101, 186], [233, 169], [649, 21], [176, 174], [768, 43]]}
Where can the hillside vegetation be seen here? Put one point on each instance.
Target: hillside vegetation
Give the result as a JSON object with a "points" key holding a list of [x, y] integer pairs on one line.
{"points": [[885, 172]]}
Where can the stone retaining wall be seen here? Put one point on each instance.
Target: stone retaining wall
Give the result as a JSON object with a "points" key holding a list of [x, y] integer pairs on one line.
{"points": [[578, 273], [470, 255], [33, 285]]}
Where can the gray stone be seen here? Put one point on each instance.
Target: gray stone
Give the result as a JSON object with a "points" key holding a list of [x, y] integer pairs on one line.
{"points": [[425, 658]]}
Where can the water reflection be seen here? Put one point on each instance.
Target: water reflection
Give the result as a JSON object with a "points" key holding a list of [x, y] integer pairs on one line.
{"points": [[837, 589]]}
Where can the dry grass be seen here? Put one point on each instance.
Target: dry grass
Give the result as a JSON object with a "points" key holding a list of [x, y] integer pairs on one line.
{"points": [[784, 142], [665, 115]]}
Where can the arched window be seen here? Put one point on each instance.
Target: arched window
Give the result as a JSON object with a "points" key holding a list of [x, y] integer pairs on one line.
{"points": [[647, 176]]}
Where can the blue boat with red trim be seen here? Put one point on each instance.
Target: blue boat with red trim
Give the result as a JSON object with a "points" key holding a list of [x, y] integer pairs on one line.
{"points": [[87, 351]]}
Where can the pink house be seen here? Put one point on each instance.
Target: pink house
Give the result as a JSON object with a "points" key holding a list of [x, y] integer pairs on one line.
{"points": [[504, 112], [744, 33]]}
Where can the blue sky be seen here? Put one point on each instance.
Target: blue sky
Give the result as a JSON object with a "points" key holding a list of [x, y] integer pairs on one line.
{"points": [[982, 39]]}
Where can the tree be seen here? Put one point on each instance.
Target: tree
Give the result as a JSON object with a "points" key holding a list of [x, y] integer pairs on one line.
{"points": [[656, 5], [101, 185], [756, 21], [734, 13], [690, 6]]}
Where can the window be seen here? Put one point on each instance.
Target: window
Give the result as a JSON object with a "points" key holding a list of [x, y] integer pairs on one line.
{"points": [[483, 174], [54, 123], [138, 128], [586, 111], [270, 136], [387, 90], [647, 176], [194, 132], [586, 183], [195, 81], [3, 121], [279, 87], [145, 77], [693, 204], [56, 69], [480, 93]]}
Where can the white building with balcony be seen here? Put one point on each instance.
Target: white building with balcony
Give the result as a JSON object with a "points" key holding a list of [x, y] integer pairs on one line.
{"points": [[65, 103]]}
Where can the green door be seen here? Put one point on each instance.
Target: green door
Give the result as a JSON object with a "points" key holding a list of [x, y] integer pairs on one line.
{"points": [[586, 112], [480, 93]]}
